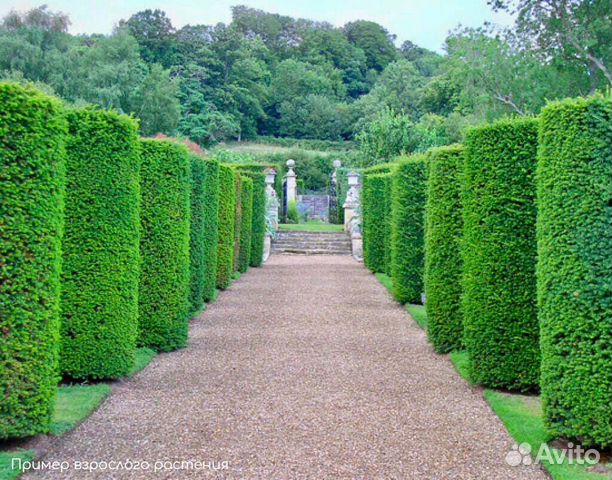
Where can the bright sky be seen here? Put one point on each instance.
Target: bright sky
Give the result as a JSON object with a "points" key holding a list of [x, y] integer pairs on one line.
{"points": [[425, 22]]}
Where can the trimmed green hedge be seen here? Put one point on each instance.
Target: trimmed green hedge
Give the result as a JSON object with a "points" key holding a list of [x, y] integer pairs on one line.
{"points": [[237, 221], [258, 232], [375, 205], [499, 255], [211, 227], [164, 271], [575, 269], [407, 223], [101, 245], [227, 215], [443, 233], [197, 244], [32, 131], [246, 223]]}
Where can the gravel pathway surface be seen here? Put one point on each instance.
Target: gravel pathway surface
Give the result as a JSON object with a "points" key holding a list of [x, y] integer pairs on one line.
{"points": [[303, 369]]}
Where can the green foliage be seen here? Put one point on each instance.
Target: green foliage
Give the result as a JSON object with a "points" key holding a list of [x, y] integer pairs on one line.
{"points": [[375, 202], [227, 217], [246, 223], [197, 232], [387, 136], [407, 211], [293, 215], [499, 255], [164, 245], [574, 275], [32, 185], [258, 228], [443, 233], [99, 305], [210, 216], [237, 221]]}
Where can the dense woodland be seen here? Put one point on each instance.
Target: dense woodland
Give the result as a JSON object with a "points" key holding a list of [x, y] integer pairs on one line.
{"points": [[273, 75]]}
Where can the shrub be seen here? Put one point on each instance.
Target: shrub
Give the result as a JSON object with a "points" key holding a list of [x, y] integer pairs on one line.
{"points": [[164, 245], [443, 265], [293, 214], [101, 245], [246, 223], [575, 269], [499, 254], [32, 131], [407, 222], [197, 244], [227, 214], [210, 216], [375, 204], [258, 233], [237, 221]]}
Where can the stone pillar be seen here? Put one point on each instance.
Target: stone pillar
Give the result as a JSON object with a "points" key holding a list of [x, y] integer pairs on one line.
{"points": [[352, 216], [271, 212], [291, 179], [351, 204]]}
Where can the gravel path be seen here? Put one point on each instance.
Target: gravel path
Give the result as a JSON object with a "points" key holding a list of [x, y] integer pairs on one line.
{"points": [[303, 369]]}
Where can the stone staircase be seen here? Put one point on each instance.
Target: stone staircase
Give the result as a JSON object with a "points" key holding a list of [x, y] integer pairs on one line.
{"points": [[312, 243]]}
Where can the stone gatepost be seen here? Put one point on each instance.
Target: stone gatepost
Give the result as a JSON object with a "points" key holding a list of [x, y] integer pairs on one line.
{"points": [[352, 215], [271, 212], [291, 179]]}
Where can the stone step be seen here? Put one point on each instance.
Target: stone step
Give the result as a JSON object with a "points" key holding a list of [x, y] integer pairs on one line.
{"points": [[298, 251], [319, 243]]}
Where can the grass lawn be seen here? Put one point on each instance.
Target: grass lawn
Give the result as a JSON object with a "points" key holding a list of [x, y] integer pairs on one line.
{"points": [[417, 312], [143, 357], [6, 460], [74, 403], [310, 227]]}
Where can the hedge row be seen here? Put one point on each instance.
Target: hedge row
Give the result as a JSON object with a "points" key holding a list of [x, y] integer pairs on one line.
{"points": [[237, 220], [140, 225], [246, 224], [32, 182], [164, 245], [443, 264], [407, 214], [99, 305], [499, 254], [227, 213], [575, 269], [376, 197]]}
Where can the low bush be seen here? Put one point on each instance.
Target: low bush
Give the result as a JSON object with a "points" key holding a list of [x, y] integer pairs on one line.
{"points": [[499, 254], [407, 205], [575, 269], [246, 223], [32, 182], [443, 233], [101, 245], [227, 216], [164, 245]]}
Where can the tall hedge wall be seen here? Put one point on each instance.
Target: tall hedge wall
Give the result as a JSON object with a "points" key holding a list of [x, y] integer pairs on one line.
{"points": [[32, 130], [246, 223], [575, 269], [164, 245], [499, 254], [210, 217], [407, 224], [197, 244], [258, 231], [237, 221], [375, 204], [101, 246], [227, 214], [443, 233]]}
